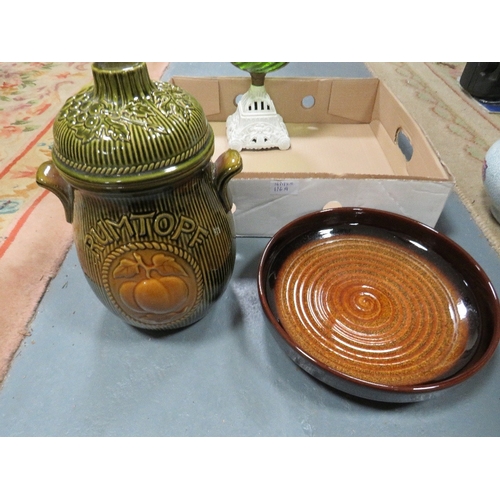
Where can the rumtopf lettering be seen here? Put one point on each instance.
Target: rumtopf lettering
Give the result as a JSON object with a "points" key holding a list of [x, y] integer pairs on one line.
{"points": [[138, 227]]}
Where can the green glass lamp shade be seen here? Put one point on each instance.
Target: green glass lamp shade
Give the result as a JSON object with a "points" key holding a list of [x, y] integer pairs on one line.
{"points": [[259, 67]]}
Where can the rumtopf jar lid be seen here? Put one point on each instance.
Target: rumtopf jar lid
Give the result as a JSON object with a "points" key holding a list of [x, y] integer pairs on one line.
{"points": [[127, 131]]}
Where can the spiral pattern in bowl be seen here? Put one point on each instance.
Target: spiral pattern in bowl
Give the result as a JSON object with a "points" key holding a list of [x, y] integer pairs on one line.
{"points": [[372, 309]]}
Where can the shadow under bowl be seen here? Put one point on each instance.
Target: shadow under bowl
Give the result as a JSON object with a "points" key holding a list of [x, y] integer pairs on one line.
{"points": [[378, 305]]}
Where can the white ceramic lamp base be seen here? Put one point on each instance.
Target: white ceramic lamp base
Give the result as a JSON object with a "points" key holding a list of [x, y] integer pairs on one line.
{"points": [[255, 124]]}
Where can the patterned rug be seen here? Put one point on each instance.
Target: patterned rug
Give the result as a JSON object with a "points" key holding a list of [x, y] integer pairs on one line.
{"points": [[459, 128], [34, 236], [30, 96]]}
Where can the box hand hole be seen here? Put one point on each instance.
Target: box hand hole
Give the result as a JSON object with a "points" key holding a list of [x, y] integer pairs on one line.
{"points": [[308, 101], [404, 144]]}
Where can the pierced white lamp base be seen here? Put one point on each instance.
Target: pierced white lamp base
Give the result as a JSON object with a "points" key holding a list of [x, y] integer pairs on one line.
{"points": [[255, 124]]}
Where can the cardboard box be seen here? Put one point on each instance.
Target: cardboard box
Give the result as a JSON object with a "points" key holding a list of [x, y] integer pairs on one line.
{"points": [[349, 149]]}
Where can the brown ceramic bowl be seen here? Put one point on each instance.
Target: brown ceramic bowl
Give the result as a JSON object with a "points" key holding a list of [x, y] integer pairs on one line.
{"points": [[378, 305]]}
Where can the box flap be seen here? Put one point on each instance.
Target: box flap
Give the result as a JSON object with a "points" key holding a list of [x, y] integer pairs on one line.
{"points": [[334, 100], [424, 161], [353, 99]]}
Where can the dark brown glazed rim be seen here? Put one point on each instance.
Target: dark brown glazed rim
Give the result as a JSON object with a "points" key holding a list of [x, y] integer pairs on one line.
{"points": [[297, 233]]}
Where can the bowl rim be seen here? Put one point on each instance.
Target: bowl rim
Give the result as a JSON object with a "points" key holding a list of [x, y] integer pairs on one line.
{"points": [[471, 368]]}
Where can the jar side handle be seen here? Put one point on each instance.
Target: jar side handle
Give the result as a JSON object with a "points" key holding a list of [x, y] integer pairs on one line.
{"points": [[227, 165], [49, 178]]}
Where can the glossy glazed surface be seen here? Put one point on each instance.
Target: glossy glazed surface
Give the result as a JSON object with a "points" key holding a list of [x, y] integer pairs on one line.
{"points": [[371, 302], [151, 212], [372, 309], [259, 67], [126, 131]]}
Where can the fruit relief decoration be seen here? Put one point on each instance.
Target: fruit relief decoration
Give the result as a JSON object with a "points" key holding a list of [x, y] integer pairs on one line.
{"points": [[151, 212], [149, 263], [155, 284]]}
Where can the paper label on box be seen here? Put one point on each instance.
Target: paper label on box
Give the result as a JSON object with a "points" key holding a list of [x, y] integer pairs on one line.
{"points": [[284, 186]]}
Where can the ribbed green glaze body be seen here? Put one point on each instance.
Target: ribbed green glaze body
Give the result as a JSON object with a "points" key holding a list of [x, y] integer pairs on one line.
{"points": [[126, 128], [151, 214], [185, 222]]}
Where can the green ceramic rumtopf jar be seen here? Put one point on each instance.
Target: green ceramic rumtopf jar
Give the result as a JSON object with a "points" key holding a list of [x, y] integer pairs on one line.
{"points": [[151, 212]]}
